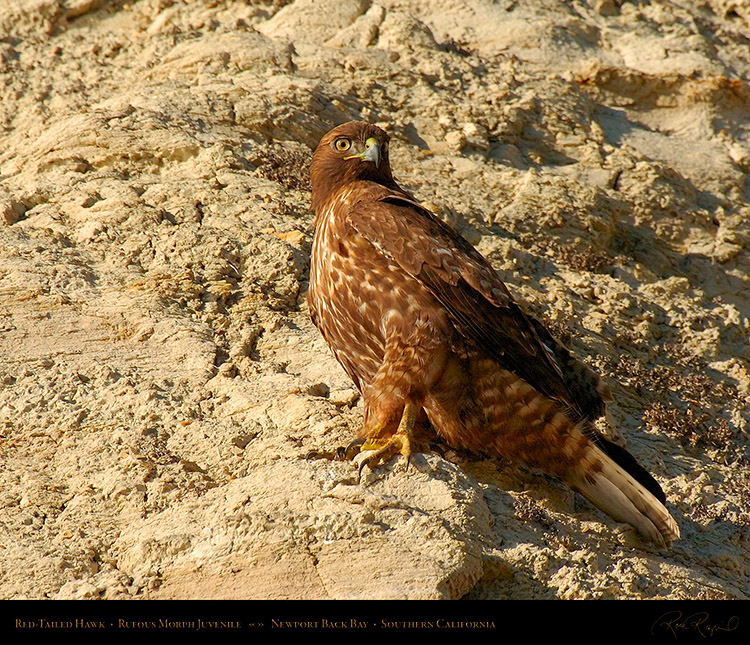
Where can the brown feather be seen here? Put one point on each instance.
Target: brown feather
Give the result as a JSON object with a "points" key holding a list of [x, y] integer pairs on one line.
{"points": [[416, 315]]}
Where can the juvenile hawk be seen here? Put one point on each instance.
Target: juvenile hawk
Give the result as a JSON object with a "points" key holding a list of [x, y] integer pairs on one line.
{"points": [[428, 332]]}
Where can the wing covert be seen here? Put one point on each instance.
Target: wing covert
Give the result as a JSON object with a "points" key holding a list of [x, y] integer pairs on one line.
{"points": [[470, 290]]}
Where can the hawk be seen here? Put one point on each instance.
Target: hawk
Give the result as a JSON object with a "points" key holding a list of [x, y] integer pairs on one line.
{"points": [[429, 333]]}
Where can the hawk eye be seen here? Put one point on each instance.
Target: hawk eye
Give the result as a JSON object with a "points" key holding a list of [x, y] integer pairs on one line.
{"points": [[342, 144]]}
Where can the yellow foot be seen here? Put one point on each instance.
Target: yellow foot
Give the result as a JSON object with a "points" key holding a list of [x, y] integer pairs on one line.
{"points": [[398, 443]]}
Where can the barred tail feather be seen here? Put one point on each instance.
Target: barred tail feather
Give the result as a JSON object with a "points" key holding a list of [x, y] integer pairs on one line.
{"points": [[614, 491], [495, 412]]}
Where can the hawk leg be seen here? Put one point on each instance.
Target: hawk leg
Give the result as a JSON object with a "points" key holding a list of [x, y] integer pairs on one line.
{"points": [[400, 441]]}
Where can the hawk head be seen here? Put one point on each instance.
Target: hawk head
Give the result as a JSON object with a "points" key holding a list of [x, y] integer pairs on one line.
{"points": [[350, 152]]}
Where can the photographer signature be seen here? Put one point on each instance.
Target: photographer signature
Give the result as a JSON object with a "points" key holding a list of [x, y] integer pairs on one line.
{"points": [[700, 622]]}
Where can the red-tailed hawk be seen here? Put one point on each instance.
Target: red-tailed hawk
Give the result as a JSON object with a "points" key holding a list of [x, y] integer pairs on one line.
{"points": [[427, 331]]}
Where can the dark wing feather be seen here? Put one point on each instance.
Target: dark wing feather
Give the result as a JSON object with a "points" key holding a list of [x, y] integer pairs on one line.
{"points": [[585, 385], [467, 286]]}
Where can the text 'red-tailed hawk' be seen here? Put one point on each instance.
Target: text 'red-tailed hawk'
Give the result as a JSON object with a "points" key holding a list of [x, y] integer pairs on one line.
{"points": [[429, 333]]}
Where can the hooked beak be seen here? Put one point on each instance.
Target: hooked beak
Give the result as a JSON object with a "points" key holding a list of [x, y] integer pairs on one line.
{"points": [[371, 153]]}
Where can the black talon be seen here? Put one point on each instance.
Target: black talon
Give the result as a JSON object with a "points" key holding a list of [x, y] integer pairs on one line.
{"points": [[356, 443], [359, 471]]}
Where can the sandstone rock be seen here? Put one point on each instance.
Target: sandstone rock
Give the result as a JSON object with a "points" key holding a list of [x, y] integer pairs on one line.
{"points": [[160, 380]]}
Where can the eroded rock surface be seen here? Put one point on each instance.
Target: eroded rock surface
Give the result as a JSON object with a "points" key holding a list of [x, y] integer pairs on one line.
{"points": [[161, 382]]}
